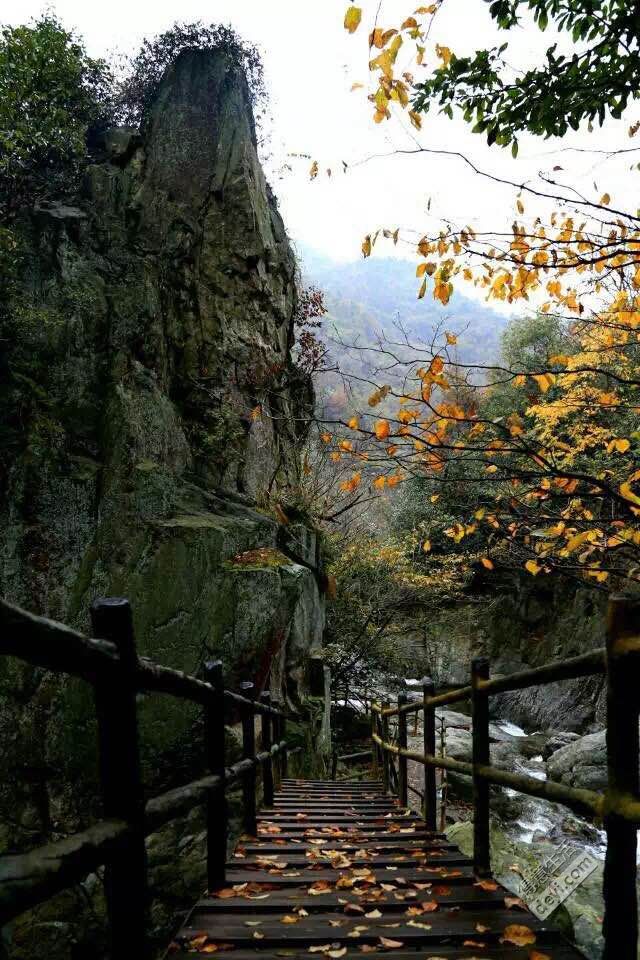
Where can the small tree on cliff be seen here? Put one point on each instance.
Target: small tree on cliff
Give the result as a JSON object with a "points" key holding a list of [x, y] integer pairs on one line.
{"points": [[143, 72], [51, 93]]}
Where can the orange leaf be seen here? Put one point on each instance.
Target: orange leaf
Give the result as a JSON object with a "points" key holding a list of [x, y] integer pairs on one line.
{"points": [[382, 429], [518, 934]]}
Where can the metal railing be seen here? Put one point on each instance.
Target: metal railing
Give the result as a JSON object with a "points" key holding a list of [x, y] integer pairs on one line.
{"points": [[618, 807], [109, 662]]}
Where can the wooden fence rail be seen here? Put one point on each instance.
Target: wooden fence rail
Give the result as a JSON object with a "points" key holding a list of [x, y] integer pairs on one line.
{"points": [[109, 662], [618, 807]]}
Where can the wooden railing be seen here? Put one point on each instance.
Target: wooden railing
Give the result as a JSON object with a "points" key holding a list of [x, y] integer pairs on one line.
{"points": [[109, 662], [618, 807]]}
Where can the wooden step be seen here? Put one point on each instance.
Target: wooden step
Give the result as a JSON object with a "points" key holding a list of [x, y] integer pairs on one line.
{"points": [[419, 891], [467, 895], [456, 927], [553, 949], [295, 877], [382, 843], [376, 859]]}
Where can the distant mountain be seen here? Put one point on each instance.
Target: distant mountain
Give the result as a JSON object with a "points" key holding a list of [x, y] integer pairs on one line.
{"points": [[367, 297]]}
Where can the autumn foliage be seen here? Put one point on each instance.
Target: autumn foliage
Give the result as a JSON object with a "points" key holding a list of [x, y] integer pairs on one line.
{"points": [[558, 476]]}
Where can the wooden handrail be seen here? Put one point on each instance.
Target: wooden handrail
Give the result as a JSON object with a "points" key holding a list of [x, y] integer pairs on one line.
{"points": [[53, 646], [618, 805], [586, 665], [110, 664]]}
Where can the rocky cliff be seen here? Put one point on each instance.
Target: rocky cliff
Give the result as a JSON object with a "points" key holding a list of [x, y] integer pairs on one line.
{"points": [[521, 623], [149, 402]]}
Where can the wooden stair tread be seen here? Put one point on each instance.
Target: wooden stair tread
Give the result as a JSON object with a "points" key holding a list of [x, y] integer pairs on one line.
{"points": [[390, 864]]}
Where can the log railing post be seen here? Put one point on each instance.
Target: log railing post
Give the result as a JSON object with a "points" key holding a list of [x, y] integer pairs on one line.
{"points": [[334, 764], [249, 752], [620, 928], [480, 744], [384, 728], [403, 791], [275, 733], [429, 741], [375, 761], [122, 794], [267, 767], [217, 814], [283, 737]]}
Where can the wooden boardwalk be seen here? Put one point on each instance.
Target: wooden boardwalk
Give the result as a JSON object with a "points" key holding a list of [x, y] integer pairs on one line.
{"points": [[339, 870]]}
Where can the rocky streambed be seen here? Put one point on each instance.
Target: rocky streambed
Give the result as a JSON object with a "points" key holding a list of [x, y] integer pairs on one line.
{"points": [[526, 831]]}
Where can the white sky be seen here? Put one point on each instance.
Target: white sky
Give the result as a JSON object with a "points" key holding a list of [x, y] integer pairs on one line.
{"points": [[311, 63]]}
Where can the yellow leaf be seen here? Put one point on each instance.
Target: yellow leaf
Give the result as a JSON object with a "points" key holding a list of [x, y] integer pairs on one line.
{"points": [[325, 437], [353, 423], [534, 569], [434, 497], [352, 19], [451, 339], [628, 494], [379, 482], [520, 206], [356, 86], [366, 246], [442, 292], [409, 24], [346, 445], [544, 380], [421, 269], [426, 546], [605, 199], [621, 446], [416, 119], [422, 290], [444, 53], [313, 172], [424, 10], [487, 563]]}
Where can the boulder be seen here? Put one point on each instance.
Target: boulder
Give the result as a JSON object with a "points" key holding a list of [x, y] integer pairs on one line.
{"points": [[556, 740], [582, 763], [579, 917]]}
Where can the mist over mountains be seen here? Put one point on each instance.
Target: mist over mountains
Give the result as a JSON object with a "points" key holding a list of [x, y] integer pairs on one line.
{"points": [[367, 298]]}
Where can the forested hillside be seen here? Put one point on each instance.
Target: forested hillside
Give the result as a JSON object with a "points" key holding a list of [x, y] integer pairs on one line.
{"points": [[367, 299]]}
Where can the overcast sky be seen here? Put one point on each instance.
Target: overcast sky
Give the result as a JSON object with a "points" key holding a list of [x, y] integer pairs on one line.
{"points": [[311, 64]]}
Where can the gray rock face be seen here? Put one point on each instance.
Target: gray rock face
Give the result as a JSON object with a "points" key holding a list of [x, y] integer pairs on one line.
{"points": [[160, 402], [582, 763]]}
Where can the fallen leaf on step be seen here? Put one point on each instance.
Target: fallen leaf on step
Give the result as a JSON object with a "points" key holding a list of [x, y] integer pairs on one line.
{"points": [[511, 902], [518, 934], [486, 884]]}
